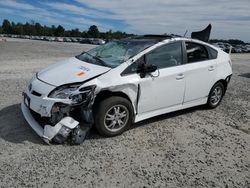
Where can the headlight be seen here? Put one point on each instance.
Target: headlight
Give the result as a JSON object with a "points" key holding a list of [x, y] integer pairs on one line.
{"points": [[71, 92], [63, 92]]}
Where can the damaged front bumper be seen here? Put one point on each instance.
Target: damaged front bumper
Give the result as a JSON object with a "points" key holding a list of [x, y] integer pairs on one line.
{"points": [[30, 119], [60, 122], [58, 133]]}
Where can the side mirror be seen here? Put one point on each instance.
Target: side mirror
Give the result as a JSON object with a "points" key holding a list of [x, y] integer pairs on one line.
{"points": [[150, 68], [144, 68]]}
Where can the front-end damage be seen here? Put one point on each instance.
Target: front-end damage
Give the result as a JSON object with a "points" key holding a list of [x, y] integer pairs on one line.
{"points": [[65, 113], [60, 120]]}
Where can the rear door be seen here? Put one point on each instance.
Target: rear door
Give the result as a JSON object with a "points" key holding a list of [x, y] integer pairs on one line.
{"points": [[200, 71]]}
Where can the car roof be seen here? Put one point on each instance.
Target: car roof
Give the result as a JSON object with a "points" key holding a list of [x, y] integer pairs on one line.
{"points": [[154, 39], [145, 38]]}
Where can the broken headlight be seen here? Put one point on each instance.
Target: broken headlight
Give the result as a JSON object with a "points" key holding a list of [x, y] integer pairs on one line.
{"points": [[83, 94], [64, 92], [71, 92]]}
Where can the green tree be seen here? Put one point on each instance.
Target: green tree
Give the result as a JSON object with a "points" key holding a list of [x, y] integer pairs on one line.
{"points": [[27, 29], [18, 29], [59, 31], [108, 35], [33, 28], [75, 33], [235, 41], [39, 29], [93, 32], [6, 26], [52, 30], [84, 34]]}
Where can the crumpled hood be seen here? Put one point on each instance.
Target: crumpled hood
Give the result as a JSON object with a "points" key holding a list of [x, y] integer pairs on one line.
{"points": [[70, 71]]}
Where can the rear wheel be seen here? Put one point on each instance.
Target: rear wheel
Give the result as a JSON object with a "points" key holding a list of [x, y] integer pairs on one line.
{"points": [[113, 116], [215, 95]]}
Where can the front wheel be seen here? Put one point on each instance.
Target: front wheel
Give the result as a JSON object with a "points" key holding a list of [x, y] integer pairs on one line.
{"points": [[215, 95], [113, 116]]}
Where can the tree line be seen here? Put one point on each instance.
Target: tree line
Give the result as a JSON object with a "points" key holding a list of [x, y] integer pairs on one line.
{"points": [[230, 41], [36, 29]]}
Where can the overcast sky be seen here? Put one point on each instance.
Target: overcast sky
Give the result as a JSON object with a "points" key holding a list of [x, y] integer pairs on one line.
{"points": [[229, 18]]}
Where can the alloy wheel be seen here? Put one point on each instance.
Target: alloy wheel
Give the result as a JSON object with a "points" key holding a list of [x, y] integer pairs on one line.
{"points": [[116, 118]]}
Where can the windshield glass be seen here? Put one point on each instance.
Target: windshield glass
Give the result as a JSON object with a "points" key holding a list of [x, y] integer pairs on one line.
{"points": [[115, 53]]}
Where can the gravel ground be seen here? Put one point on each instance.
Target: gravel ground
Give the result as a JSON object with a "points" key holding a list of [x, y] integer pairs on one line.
{"points": [[190, 148]]}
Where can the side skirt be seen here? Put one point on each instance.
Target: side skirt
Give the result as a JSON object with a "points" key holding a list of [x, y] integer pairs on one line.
{"points": [[143, 116]]}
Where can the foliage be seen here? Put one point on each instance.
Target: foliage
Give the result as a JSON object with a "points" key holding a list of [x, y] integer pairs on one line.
{"points": [[93, 32], [6, 26], [36, 29], [230, 41]]}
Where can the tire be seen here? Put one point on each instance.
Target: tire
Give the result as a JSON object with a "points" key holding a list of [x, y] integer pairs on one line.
{"points": [[215, 95], [108, 121]]}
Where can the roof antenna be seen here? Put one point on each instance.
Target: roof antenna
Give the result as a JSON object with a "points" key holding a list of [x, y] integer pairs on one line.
{"points": [[185, 33]]}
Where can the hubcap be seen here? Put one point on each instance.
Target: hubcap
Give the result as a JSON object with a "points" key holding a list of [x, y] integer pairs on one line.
{"points": [[216, 96], [116, 118]]}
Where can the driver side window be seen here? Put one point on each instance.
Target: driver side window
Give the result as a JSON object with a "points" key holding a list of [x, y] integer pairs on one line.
{"points": [[166, 56], [133, 67]]}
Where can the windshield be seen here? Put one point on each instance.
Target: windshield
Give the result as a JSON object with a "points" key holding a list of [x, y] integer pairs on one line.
{"points": [[115, 53]]}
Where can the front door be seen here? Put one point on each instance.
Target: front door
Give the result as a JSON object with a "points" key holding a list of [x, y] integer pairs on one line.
{"points": [[165, 87]]}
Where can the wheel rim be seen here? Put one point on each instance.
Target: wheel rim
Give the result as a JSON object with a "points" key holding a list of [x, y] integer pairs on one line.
{"points": [[216, 95], [116, 118]]}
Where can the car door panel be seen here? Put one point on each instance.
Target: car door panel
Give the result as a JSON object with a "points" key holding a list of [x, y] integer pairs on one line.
{"points": [[163, 91], [200, 72], [165, 87], [199, 79]]}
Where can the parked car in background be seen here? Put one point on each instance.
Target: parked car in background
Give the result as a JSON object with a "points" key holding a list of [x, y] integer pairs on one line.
{"points": [[220, 45], [97, 41], [92, 41], [73, 39], [238, 49], [248, 48], [228, 47], [244, 49], [67, 39], [85, 41], [235, 48]]}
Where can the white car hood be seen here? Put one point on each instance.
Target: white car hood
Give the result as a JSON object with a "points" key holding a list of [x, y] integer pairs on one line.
{"points": [[70, 71]]}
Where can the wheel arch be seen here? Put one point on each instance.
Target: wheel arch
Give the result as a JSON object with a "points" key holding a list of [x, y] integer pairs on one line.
{"points": [[106, 94], [224, 82]]}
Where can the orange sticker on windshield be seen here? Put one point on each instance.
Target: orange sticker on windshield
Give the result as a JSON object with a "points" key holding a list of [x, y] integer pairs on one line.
{"points": [[81, 73]]}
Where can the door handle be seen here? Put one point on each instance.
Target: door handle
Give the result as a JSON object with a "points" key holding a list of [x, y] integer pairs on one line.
{"points": [[179, 76], [211, 68]]}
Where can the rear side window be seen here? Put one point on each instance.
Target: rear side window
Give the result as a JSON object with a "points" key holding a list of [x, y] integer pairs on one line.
{"points": [[196, 52], [212, 53], [166, 56]]}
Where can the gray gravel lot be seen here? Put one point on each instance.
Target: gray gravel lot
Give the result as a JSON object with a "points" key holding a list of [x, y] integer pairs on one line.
{"points": [[190, 148]]}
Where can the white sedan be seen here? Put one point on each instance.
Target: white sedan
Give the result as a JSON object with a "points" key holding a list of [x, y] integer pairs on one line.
{"points": [[123, 82]]}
